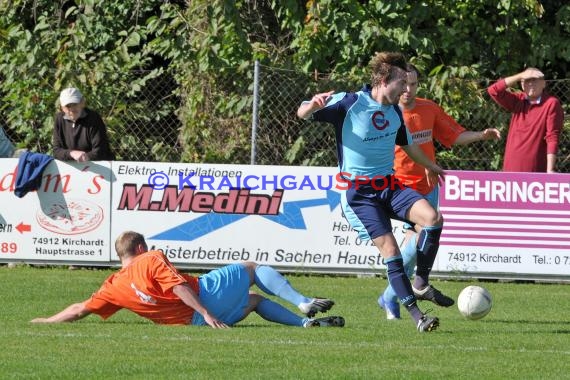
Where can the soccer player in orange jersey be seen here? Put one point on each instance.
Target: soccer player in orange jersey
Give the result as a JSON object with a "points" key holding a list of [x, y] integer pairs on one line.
{"points": [[150, 286], [426, 121]]}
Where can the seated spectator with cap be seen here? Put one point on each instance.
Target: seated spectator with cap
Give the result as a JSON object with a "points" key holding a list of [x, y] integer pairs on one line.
{"points": [[79, 133]]}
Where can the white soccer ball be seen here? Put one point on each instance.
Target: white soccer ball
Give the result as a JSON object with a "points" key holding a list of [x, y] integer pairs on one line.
{"points": [[474, 302]]}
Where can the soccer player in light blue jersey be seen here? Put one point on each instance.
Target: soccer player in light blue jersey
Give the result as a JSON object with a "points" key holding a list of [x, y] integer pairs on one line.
{"points": [[368, 125], [426, 121]]}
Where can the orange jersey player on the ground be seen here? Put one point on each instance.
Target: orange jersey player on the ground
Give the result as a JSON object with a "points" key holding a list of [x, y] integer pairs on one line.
{"points": [[145, 287], [150, 286]]}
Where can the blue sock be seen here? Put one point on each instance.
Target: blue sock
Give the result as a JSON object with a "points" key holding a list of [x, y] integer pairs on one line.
{"points": [[428, 244], [409, 257], [399, 281], [273, 283], [274, 312], [402, 286]]}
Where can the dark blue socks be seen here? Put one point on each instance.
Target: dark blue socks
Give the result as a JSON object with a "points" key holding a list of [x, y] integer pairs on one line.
{"points": [[428, 244], [398, 279], [402, 286]]}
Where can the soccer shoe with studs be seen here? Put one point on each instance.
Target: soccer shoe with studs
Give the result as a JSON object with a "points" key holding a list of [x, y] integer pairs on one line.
{"points": [[392, 308], [429, 293], [427, 323], [335, 321], [315, 306]]}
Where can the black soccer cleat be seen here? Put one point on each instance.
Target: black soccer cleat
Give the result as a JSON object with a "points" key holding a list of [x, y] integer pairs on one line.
{"points": [[325, 322], [429, 293], [428, 324], [315, 306]]}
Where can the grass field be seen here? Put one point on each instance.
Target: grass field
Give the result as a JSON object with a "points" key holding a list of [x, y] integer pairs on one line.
{"points": [[526, 336]]}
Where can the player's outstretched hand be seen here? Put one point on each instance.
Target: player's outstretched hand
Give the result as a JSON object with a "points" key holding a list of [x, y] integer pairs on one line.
{"points": [[320, 100], [40, 320], [435, 175], [316, 103], [491, 134], [214, 322]]}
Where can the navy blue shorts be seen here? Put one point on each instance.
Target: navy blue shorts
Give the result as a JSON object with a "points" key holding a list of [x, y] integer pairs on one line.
{"points": [[369, 208]]}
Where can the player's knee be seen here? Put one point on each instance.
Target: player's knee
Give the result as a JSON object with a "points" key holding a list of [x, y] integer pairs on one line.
{"points": [[438, 220], [253, 301], [433, 218]]}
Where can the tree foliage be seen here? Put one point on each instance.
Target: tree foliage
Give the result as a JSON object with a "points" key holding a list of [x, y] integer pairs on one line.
{"points": [[46, 46], [114, 49]]}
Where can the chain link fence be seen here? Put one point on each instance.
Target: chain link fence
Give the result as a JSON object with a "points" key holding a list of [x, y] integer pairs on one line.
{"points": [[147, 121], [284, 139]]}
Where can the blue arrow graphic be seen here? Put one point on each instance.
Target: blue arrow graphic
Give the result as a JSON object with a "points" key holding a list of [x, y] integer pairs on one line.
{"points": [[200, 226], [291, 217]]}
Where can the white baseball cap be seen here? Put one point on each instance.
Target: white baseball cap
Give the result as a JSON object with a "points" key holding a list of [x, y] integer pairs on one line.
{"points": [[70, 95]]}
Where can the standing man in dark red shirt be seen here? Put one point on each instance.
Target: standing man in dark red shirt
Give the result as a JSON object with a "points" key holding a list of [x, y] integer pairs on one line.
{"points": [[79, 133], [536, 122]]}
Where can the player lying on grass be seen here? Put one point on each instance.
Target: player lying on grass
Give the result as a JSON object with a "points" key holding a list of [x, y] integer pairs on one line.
{"points": [[150, 286]]}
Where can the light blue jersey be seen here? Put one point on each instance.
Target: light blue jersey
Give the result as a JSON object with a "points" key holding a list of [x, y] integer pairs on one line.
{"points": [[366, 133]]}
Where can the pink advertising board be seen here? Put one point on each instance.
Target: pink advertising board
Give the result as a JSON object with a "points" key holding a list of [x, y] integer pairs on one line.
{"points": [[499, 222]]}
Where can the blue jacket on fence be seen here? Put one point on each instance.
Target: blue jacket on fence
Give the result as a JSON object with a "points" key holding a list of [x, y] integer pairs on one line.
{"points": [[30, 169]]}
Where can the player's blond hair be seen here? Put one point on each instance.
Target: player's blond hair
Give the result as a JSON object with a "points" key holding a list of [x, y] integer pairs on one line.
{"points": [[383, 66], [127, 243]]}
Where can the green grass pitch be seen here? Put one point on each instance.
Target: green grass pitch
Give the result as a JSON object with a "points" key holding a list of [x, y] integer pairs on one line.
{"points": [[526, 336]]}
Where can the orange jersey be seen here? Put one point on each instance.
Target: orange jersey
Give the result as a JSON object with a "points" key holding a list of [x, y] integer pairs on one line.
{"points": [[426, 121], [145, 287]]}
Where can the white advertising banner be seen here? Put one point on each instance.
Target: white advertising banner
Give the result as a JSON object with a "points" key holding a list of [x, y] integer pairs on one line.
{"points": [[497, 225], [207, 215], [65, 219]]}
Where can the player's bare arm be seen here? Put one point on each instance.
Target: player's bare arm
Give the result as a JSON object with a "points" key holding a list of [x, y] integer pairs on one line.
{"points": [[69, 314], [316, 103], [469, 137], [190, 298]]}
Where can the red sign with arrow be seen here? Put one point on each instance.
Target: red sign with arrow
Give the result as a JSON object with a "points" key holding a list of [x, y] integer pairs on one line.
{"points": [[23, 227]]}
